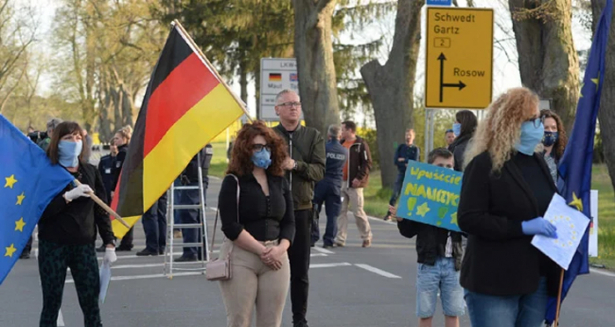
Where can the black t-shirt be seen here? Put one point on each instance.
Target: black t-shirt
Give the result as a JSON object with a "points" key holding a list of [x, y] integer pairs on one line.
{"points": [[536, 179], [266, 218], [540, 185]]}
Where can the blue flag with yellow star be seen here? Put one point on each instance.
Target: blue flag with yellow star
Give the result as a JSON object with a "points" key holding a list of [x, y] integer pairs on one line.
{"points": [[28, 182], [575, 167]]}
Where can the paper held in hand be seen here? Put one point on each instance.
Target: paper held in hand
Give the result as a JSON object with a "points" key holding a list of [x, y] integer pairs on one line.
{"points": [[571, 225]]}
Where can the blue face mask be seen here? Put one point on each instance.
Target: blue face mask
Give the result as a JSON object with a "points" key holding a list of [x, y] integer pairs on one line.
{"points": [[456, 129], [550, 138], [530, 137], [69, 152], [262, 158]]}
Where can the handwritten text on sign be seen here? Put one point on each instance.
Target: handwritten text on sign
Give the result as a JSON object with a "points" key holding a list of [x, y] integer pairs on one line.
{"points": [[430, 195]]}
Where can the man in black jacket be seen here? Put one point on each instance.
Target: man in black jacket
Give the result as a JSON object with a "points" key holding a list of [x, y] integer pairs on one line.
{"points": [[305, 166], [439, 252]]}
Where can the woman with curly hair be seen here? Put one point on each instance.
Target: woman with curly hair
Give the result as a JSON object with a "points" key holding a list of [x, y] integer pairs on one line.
{"points": [[259, 227], [505, 192], [554, 140]]}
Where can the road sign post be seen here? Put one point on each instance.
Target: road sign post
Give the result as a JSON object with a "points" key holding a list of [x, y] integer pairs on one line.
{"points": [[459, 58], [277, 74]]}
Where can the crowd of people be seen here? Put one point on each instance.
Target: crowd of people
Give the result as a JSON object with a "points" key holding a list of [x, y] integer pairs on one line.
{"points": [[278, 180]]}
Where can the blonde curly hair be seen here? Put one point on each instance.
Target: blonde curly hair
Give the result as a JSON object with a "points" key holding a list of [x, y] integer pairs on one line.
{"points": [[500, 131]]}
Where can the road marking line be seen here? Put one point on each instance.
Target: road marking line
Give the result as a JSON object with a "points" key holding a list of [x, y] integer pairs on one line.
{"points": [[119, 278], [376, 270], [115, 278], [60, 319], [382, 220], [330, 265], [602, 272], [323, 250], [318, 255]]}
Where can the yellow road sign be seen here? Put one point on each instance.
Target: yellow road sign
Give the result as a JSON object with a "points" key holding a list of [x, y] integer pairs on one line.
{"points": [[459, 58]]}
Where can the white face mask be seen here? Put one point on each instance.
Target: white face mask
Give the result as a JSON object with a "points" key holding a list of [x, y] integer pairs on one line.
{"points": [[69, 152]]}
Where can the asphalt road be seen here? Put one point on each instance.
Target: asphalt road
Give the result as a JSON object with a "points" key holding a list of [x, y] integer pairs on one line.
{"points": [[350, 286]]}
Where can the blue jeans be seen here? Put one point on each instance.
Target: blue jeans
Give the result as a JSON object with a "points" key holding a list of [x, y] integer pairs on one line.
{"points": [[442, 277], [155, 225], [399, 183], [526, 310], [329, 193], [190, 216]]}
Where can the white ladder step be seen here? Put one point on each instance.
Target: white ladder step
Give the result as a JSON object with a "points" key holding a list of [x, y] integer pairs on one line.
{"points": [[187, 225], [186, 206], [181, 188], [187, 245]]}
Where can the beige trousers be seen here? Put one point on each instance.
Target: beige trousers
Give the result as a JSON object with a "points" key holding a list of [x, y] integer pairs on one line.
{"points": [[353, 197], [253, 284]]}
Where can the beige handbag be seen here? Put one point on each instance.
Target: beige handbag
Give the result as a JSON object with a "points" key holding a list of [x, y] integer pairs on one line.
{"points": [[220, 269]]}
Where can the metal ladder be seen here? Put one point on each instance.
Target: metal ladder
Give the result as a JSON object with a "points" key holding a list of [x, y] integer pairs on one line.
{"points": [[169, 266]]}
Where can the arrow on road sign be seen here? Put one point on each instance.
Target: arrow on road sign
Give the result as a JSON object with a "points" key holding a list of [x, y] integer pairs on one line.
{"points": [[460, 85]]}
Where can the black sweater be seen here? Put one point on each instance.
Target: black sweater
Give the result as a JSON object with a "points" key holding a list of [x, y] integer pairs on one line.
{"points": [[499, 259], [266, 218], [75, 223]]}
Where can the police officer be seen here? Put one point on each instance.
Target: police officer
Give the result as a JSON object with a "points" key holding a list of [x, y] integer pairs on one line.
{"points": [[190, 177], [105, 167], [329, 190]]}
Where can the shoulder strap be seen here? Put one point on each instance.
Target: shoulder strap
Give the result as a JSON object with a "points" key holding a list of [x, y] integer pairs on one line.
{"points": [[213, 239]]}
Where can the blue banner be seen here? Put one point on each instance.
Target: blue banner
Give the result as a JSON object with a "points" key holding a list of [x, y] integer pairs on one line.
{"points": [[28, 182], [430, 195], [575, 167], [439, 2]]}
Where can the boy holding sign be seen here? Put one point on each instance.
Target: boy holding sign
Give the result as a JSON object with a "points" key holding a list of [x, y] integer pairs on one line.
{"points": [[439, 256]]}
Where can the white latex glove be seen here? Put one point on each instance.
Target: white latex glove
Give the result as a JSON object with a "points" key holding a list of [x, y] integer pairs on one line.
{"points": [[79, 191], [110, 256]]}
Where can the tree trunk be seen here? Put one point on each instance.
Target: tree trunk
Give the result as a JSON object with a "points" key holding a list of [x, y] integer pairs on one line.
{"points": [[314, 53], [257, 88], [243, 82], [391, 87], [606, 116], [548, 61]]}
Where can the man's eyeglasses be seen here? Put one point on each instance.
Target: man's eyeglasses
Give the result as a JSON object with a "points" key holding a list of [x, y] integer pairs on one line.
{"points": [[259, 147], [537, 121], [290, 104]]}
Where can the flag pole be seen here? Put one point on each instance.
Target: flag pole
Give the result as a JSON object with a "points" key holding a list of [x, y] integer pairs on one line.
{"points": [[105, 206], [210, 66], [559, 298]]}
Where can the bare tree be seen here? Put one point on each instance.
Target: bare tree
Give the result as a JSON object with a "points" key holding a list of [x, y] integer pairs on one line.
{"points": [[548, 61], [314, 53], [391, 87], [17, 33]]}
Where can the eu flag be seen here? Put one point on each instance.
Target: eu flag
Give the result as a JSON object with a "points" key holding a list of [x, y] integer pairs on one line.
{"points": [[575, 167], [28, 182]]}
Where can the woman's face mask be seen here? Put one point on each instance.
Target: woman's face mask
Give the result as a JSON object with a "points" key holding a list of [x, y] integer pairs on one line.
{"points": [[550, 138], [262, 158], [69, 152], [532, 133], [456, 129]]}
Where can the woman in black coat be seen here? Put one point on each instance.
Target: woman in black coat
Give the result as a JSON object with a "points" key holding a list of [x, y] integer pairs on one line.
{"points": [[465, 125], [506, 190], [67, 231]]}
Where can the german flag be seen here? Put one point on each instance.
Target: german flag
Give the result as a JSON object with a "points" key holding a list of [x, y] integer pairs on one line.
{"points": [[185, 106]]}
